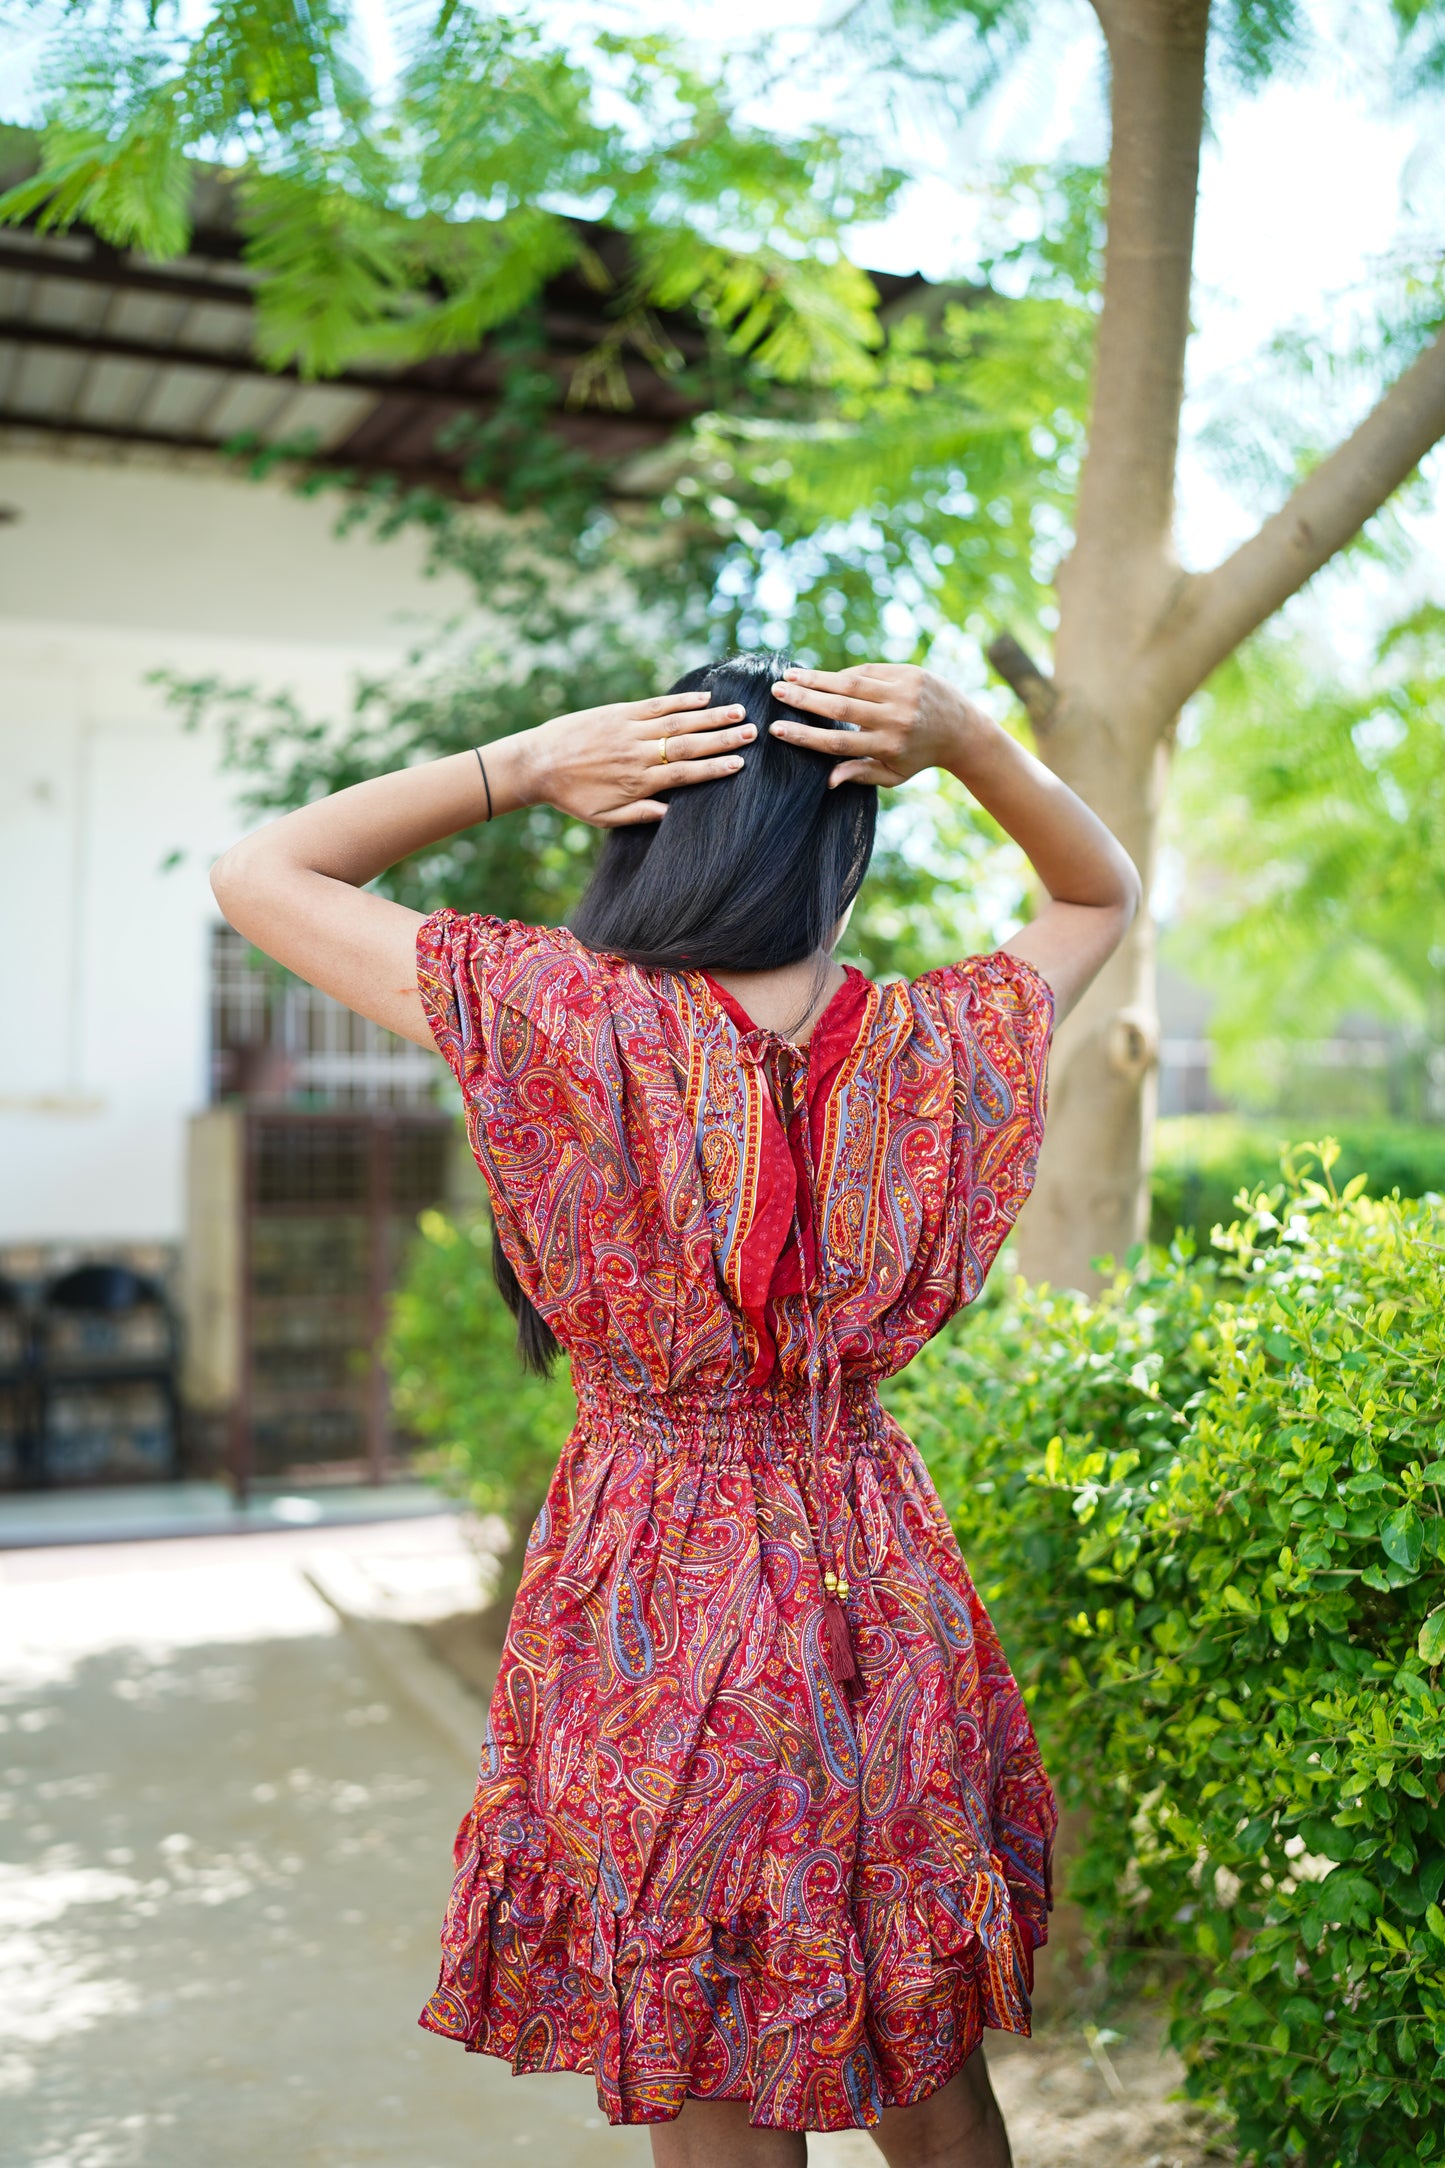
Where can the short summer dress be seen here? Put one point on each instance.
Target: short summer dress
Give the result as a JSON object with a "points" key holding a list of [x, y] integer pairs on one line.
{"points": [[702, 1859]]}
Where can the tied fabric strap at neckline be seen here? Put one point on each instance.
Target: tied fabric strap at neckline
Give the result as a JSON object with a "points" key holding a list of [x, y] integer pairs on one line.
{"points": [[833, 1037], [832, 1041], [770, 1267]]}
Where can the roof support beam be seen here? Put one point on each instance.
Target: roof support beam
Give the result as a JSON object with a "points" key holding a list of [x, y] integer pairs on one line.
{"points": [[101, 266], [180, 440], [567, 330], [24, 331], [411, 474]]}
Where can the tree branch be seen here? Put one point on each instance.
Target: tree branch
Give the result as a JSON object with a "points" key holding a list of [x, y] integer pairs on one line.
{"points": [[1035, 688], [1215, 610]]}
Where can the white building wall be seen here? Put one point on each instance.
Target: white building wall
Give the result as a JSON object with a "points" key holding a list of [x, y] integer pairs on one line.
{"points": [[108, 572]]}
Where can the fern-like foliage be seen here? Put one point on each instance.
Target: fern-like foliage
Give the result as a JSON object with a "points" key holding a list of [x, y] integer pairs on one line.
{"points": [[389, 231], [938, 496]]}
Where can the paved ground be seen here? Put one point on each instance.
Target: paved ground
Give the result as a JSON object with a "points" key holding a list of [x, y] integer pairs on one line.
{"points": [[113, 1513], [224, 1850]]}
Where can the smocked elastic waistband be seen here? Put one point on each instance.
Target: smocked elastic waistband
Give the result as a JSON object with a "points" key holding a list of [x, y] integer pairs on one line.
{"points": [[777, 1422]]}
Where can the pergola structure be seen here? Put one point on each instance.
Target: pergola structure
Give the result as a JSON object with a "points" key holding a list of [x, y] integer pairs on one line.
{"points": [[101, 346]]}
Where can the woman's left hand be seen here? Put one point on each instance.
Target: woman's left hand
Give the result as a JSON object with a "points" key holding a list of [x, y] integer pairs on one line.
{"points": [[883, 721], [606, 765]]}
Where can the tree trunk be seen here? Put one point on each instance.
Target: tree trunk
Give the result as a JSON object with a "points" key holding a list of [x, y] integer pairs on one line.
{"points": [[1091, 1197], [1107, 733], [1137, 635]]}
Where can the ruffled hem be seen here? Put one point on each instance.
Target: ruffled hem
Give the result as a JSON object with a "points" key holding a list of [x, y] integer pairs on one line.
{"points": [[816, 2027]]}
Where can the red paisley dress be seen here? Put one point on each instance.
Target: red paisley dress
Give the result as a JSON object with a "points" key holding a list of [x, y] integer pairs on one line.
{"points": [[702, 1860]]}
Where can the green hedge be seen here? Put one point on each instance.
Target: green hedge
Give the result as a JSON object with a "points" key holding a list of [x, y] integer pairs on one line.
{"points": [[1203, 1161], [492, 1431], [1206, 1511]]}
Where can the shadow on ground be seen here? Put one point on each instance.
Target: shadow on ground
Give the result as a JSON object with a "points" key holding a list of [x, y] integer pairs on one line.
{"points": [[226, 1849]]}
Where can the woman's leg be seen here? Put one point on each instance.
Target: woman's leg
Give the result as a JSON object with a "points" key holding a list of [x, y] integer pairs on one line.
{"points": [[959, 2126], [717, 2134]]}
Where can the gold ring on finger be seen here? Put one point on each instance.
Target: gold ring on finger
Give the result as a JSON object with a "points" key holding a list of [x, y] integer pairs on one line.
{"points": [[662, 750]]}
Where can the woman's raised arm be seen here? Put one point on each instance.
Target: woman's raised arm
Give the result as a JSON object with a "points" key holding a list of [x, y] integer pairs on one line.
{"points": [[904, 720], [296, 888]]}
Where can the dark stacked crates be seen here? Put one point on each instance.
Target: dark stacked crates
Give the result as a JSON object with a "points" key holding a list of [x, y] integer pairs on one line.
{"points": [[88, 1363], [17, 1394], [105, 1376]]}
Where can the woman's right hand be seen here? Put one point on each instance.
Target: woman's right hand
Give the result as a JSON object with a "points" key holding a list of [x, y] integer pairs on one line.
{"points": [[606, 765], [883, 722], [903, 720]]}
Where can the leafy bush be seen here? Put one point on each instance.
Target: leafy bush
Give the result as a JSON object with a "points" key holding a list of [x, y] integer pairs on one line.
{"points": [[493, 1430], [1207, 1513], [1203, 1161]]}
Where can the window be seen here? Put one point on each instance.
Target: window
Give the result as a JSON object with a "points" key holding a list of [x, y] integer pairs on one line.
{"points": [[274, 1037]]}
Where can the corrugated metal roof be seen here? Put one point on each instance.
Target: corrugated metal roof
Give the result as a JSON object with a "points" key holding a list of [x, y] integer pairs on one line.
{"points": [[103, 348]]}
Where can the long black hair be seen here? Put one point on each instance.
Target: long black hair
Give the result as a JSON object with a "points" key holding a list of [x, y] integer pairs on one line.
{"points": [[745, 873]]}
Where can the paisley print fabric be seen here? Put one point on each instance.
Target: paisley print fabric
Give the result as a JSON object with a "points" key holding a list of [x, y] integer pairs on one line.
{"points": [[697, 1864]]}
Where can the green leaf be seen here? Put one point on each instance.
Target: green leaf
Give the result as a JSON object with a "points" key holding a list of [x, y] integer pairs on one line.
{"points": [[1403, 1537], [1327, 1840], [1431, 1643], [1434, 1920]]}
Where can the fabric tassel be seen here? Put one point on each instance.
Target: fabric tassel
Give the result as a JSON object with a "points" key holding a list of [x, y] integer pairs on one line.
{"points": [[838, 1642]]}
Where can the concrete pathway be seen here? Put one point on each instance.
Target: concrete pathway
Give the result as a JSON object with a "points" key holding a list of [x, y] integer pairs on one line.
{"points": [[223, 1860], [119, 1513]]}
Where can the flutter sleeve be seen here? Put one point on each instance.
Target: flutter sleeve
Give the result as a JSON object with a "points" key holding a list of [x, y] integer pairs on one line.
{"points": [[457, 959], [451, 978], [997, 1013], [482, 980], [558, 1053], [504, 1002]]}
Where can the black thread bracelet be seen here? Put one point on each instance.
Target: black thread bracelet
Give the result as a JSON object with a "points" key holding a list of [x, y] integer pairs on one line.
{"points": [[485, 784]]}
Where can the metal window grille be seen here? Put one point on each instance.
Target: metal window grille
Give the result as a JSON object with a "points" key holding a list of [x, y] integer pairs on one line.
{"points": [[274, 1037]]}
